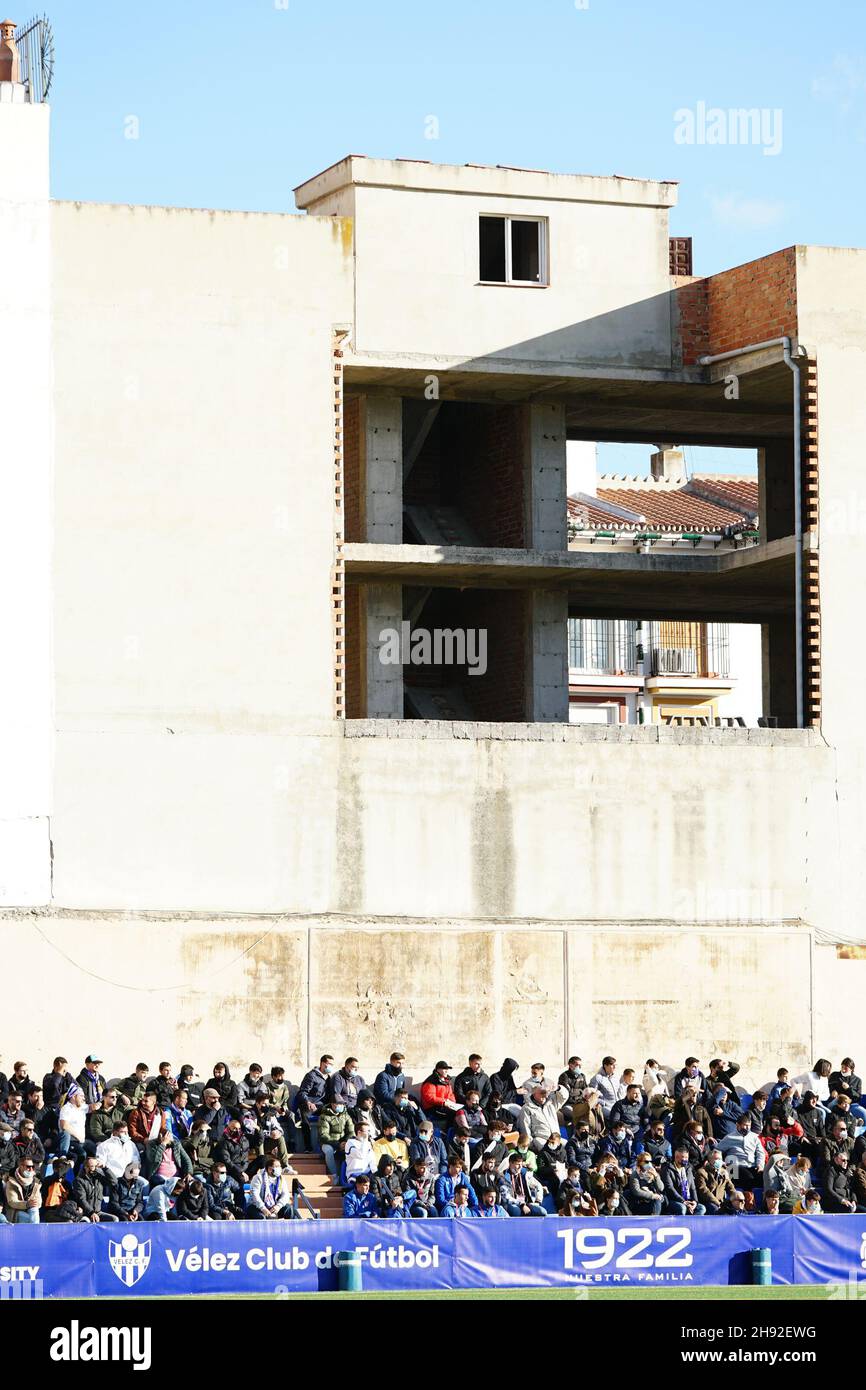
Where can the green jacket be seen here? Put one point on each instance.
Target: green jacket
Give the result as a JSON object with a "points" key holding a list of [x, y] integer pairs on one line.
{"points": [[100, 1123], [333, 1127]]}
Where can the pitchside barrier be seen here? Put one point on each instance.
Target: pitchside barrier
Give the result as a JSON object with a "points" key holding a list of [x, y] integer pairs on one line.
{"points": [[286, 1257]]}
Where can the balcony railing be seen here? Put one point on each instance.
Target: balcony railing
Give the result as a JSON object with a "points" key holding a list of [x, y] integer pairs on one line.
{"points": [[607, 647], [602, 646]]}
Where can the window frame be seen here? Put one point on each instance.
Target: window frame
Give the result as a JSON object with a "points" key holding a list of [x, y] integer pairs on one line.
{"points": [[543, 224]]}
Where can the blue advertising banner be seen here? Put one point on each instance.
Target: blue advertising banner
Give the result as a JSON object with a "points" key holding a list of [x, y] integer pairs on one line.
{"points": [[286, 1257]]}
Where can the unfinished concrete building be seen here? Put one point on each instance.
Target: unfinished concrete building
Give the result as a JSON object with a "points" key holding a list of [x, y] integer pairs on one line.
{"points": [[242, 447]]}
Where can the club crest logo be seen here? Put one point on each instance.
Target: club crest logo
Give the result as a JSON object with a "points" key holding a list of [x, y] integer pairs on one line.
{"points": [[129, 1258]]}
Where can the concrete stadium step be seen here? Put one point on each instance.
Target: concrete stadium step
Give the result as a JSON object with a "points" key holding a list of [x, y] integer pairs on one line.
{"points": [[324, 1195]]}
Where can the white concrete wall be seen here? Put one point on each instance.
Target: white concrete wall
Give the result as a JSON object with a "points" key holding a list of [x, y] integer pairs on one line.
{"points": [[746, 698], [25, 504]]}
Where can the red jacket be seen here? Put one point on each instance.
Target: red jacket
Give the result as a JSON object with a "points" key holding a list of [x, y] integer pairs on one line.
{"points": [[434, 1094]]}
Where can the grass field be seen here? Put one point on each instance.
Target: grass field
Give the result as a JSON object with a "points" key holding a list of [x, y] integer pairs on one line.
{"points": [[726, 1293]]}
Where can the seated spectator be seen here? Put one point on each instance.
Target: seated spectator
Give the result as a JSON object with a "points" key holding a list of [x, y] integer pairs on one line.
{"points": [[723, 1072], [798, 1181], [212, 1113], [428, 1145], [690, 1078], [572, 1184], [389, 1143], [757, 1112], [858, 1184], [472, 1078], [405, 1114], [100, 1123], [489, 1206], [459, 1147], [817, 1081], [56, 1084], [360, 1157], [270, 1193], [504, 1089], [459, 1207], [644, 1189], [252, 1086], [607, 1178], [224, 1195], [846, 1082], [91, 1190], [359, 1200], [608, 1088], [520, 1193], [163, 1085], [572, 1084], [346, 1084], [437, 1096], [128, 1195], [159, 1205], [485, 1176], [552, 1168], [782, 1083], [336, 1127], [146, 1122], [588, 1111], [200, 1148], [312, 1095], [115, 1154], [226, 1089], [811, 1117], [165, 1158], [472, 1118], [234, 1151], [681, 1197], [58, 1202], [629, 1111], [280, 1097], [782, 1109], [724, 1109], [735, 1204], [271, 1143], [390, 1080], [134, 1087], [837, 1185], [367, 1112], [744, 1154], [576, 1204], [539, 1118], [178, 1116], [698, 1145], [840, 1109], [580, 1149], [73, 1118], [447, 1183], [659, 1100], [656, 1143], [613, 1204], [838, 1140], [190, 1200], [771, 1205], [12, 1111], [44, 1120], [23, 1194], [688, 1109], [527, 1155], [19, 1080], [418, 1186], [623, 1145], [493, 1144], [385, 1184], [187, 1079], [29, 1145], [535, 1078], [713, 1185], [774, 1139], [809, 1205]]}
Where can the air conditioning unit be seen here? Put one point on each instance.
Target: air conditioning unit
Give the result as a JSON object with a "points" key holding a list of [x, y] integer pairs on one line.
{"points": [[675, 661]]}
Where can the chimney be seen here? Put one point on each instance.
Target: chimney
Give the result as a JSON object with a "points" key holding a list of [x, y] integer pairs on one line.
{"points": [[10, 67], [668, 465]]}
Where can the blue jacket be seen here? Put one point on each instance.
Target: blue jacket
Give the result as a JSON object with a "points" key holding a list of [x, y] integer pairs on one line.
{"points": [[221, 1196], [312, 1088], [625, 1152], [726, 1122], [450, 1209], [445, 1187], [491, 1213], [387, 1084], [356, 1205], [435, 1148]]}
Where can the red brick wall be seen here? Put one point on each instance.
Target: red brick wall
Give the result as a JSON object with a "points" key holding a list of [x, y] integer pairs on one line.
{"points": [[489, 472], [746, 304], [354, 673], [352, 498]]}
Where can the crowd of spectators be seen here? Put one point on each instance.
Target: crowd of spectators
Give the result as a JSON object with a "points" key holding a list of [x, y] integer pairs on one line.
{"points": [[165, 1147]]}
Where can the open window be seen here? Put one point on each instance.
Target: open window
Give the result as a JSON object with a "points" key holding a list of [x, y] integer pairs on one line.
{"points": [[512, 250]]}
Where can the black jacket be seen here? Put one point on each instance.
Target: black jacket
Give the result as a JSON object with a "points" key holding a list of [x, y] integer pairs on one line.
{"points": [[846, 1085], [235, 1154], [502, 1083], [468, 1080], [54, 1088], [226, 1089], [89, 1190], [573, 1084], [191, 1206], [837, 1187]]}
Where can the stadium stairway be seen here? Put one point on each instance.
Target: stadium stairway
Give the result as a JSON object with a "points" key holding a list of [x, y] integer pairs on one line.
{"points": [[325, 1195]]}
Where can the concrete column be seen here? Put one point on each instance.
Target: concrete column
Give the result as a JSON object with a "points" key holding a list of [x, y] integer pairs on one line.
{"points": [[25, 502], [547, 694], [382, 469], [777, 664], [547, 478], [384, 610]]}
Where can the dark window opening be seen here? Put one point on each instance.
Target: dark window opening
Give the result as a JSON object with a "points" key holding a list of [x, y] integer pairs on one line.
{"points": [[492, 249], [526, 251]]}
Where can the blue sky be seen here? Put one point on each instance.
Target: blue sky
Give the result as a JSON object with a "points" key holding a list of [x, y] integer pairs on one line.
{"points": [[238, 102]]}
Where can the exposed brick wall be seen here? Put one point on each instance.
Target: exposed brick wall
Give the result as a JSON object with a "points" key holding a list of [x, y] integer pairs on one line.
{"points": [[500, 694], [352, 491], [354, 646], [746, 304], [487, 466]]}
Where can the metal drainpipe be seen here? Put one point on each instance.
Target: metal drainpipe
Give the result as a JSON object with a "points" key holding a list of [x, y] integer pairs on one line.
{"points": [[785, 344]]}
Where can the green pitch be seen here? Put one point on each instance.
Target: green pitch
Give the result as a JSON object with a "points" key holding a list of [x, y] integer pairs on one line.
{"points": [[725, 1293]]}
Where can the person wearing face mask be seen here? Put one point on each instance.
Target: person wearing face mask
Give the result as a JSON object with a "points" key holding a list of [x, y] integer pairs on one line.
{"points": [[697, 1143], [368, 1112], [837, 1186], [809, 1204], [23, 1194], [312, 1095], [428, 1145], [656, 1143], [690, 1076], [344, 1086], [270, 1194], [437, 1096], [572, 1084], [681, 1197], [713, 1183], [128, 1195], [645, 1189], [504, 1088], [8, 1151], [552, 1167], [623, 1145], [580, 1149], [335, 1128], [725, 1110], [405, 1114]]}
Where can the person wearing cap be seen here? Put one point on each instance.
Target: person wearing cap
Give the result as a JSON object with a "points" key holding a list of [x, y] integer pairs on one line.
{"points": [[539, 1118], [520, 1193], [129, 1193], [91, 1081], [428, 1145], [359, 1200], [437, 1096]]}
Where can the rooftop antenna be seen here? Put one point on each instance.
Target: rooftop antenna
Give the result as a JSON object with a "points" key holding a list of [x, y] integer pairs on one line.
{"points": [[35, 43]]}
